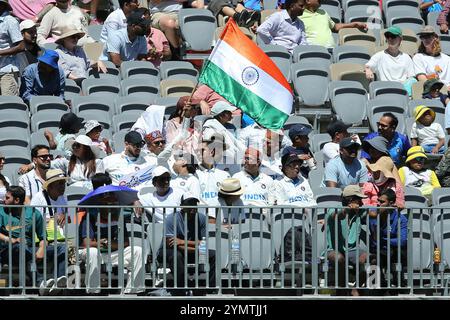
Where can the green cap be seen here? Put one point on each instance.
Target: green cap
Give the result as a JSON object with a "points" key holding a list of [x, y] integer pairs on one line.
{"points": [[396, 31], [431, 83]]}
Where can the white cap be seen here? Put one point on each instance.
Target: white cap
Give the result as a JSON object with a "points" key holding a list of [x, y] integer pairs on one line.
{"points": [[26, 24], [91, 124], [159, 171], [220, 107]]}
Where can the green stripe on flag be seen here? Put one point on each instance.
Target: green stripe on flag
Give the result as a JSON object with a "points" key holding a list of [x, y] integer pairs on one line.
{"points": [[262, 112]]}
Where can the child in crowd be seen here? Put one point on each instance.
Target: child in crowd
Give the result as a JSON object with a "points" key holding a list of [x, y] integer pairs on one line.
{"points": [[427, 133], [93, 130], [432, 90], [69, 126], [413, 174]]}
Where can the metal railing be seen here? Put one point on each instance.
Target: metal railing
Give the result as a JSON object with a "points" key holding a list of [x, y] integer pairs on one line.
{"points": [[298, 250]]}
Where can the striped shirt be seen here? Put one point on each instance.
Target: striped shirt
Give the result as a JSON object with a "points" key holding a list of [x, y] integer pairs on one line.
{"points": [[31, 183]]}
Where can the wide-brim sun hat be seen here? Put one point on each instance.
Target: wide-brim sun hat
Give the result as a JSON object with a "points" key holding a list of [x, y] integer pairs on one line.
{"points": [[419, 111], [231, 187], [385, 165], [86, 141], [68, 33], [430, 83], [415, 152], [53, 175]]}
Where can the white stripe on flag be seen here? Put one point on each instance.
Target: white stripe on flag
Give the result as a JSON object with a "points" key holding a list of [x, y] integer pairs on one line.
{"points": [[266, 87]]}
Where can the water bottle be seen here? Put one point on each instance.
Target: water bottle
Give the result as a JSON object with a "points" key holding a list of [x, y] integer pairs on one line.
{"points": [[202, 251], [235, 250]]}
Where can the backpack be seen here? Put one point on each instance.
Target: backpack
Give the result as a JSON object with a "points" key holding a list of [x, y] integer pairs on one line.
{"points": [[295, 246]]}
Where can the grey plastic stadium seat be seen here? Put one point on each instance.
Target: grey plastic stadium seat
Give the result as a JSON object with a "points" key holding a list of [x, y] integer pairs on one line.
{"points": [[307, 78], [191, 21], [351, 3], [167, 101], [349, 71], [370, 14], [315, 177], [104, 117], [125, 120], [377, 88], [71, 90], [136, 85], [435, 105], [76, 193], [138, 69], [39, 138], [176, 87], [293, 119], [422, 244], [11, 171], [10, 120], [318, 140], [333, 8], [256, 250], [280, 226], [95, 31], [445, 43], [16, 154], [281, 57], [349, 101], [441, 196], [357, 37], [402, 11], [387, 4], [412, 191], [432, 20], [119, 140], [110, 67], [14, 137], [380, 105], [169, 69], [93, 86], [14, 114], [352, 54], [319, 157], [103, 102], [270, 4], [415, 24], [46, 119], [223, 244], [306, 52], [12, 102], [40, 103], [132, 103]]}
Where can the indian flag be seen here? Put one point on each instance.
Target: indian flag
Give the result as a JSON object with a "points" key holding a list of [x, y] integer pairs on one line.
{"points": [[242, 73]]}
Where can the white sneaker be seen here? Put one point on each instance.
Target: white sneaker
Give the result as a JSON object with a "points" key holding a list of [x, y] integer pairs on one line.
{"points": [[57, 287], [45, 287]]}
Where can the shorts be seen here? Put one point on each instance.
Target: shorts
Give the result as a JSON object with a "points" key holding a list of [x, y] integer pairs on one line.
{"points": [[216, 6], [9, 84], [158, 15]]}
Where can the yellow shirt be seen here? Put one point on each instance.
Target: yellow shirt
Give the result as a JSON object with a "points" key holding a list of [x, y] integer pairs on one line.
{"points": [[318, 26]]}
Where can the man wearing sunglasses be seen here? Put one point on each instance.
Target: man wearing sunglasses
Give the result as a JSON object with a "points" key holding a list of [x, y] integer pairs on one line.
{"points": [[398, 144], [32, 181], [131, 160]]}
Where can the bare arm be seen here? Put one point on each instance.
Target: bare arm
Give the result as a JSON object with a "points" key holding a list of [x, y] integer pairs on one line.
{"points": [[331, 184], [115, 58]]}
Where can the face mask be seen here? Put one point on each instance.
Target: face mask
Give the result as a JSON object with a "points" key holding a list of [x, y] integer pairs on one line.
{"points": [[381, 179]]}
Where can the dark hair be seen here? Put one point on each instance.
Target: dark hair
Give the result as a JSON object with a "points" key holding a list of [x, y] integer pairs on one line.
{"points": [[89, 162], [142, 11], [100, 179], [17, 192], [36, 148], [390, 194], [3, 180], [289, 3], [393, 117], [124, 2]]}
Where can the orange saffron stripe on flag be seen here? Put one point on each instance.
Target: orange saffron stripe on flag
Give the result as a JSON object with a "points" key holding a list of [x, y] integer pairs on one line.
{"points": [[247, 48]]}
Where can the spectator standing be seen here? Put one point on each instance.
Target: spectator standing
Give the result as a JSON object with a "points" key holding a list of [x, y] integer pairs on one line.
{"points": [[31, 49], [319, 25], [59, 17], [427, 133], [346, 169], [117, 19], [33, 10], [10, 45], [44, 78], [284, 28]]}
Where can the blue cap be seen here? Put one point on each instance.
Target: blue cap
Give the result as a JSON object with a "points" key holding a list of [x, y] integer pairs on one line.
{"points": [[299, 130], [51, 58]]}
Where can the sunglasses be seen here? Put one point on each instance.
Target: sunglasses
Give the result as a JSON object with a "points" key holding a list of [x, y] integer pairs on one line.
{"points": [[160, 142], [44, 157], [420, 159], [138, 145]]}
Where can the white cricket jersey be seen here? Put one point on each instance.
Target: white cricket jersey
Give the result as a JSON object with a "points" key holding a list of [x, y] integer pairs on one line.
{"points": [[257, 191], [210, 180], [119, 165], [157, 202], [288, 192], [189, 183], [272, 167]]}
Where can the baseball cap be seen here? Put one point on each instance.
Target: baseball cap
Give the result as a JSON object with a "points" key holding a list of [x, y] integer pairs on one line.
{"points": [[353, 190], [288, 158], [92, 124], [188, 199], [427, 30], [26, 24], [348, 142], [159, 171], [395, 31], [220, 107], [134, 137], [298, 130], [336, 127], [138, 18]]}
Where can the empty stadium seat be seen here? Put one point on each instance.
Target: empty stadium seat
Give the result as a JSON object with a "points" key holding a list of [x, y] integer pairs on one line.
{"points": [[190, 22], [93, 86], [46, 119], [136, 85], [281, 57], [125, 120], [178, 70], [131, 103], [176, 87], [138, 69], [352, 54], [40, 103], [307, 78]]}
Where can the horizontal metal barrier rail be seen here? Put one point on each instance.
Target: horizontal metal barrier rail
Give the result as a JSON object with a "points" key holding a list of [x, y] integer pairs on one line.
{"points": [[104, 250]]}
